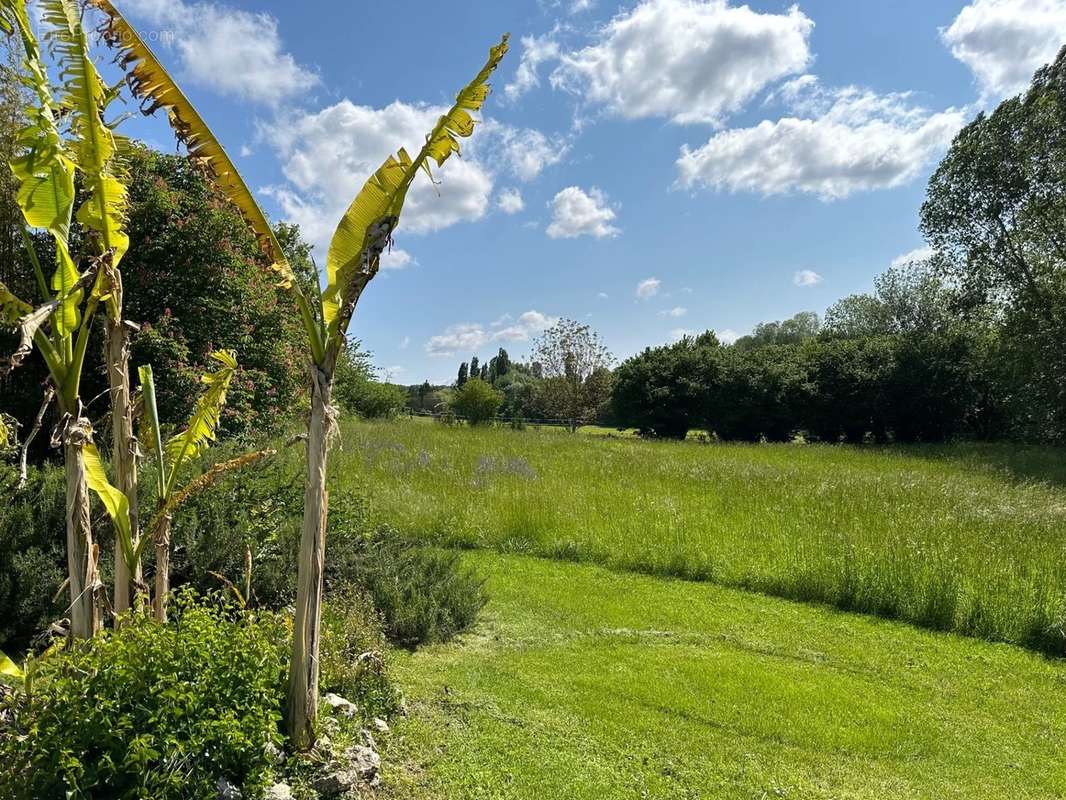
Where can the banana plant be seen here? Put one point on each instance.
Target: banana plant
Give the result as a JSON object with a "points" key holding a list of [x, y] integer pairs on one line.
{"points": [[178, 452], [102, 215], [60, 328], [352, 261]]}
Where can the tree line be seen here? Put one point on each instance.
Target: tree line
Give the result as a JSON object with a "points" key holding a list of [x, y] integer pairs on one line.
{"points": [[968, 342]]}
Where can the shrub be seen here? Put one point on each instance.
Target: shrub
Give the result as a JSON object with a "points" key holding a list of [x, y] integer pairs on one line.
{"points": [[32, 554], [357, 389], [151, 710], [352, 655], [477, 401], [258, 509], [371, 399], [424, 595]]}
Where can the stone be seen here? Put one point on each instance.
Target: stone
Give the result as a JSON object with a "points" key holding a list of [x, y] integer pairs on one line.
{"points": [[366, 738], [340, 705], [226, 790], [279, 791], [380, 725], [337, 783], [366, 762]]}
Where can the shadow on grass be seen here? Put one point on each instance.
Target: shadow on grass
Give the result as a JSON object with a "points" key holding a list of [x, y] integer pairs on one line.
{"points": [[1022, 463]]}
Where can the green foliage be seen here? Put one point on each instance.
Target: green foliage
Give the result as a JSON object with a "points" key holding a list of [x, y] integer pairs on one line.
{"points": [[995, 213], [575, 367], [32, 555], [660, 392], [353, 654], [359, 392], [193, 282], [477, 401], [421, 595], [258, 509], [794, 330], [424, 595], [151, 710]]}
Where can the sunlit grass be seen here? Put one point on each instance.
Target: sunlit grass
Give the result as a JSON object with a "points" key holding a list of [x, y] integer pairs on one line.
{"points": [[967, 538], [584, 683]]}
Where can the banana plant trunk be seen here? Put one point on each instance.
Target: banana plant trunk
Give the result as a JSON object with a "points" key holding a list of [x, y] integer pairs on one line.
{"points": [[82, 553], [128, 578], [161, 541], [303, 669]]}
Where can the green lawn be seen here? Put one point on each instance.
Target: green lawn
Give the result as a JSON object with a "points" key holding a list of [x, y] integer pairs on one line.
{"points": [[966, 538], [585, 683]]}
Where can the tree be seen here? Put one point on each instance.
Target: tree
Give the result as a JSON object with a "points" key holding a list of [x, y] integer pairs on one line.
{"points": [[477, 401], [995, 213], [484, 375], [353, 260], [846, 386], [909, 298], [804, 325], [475, 368], [499, 365], [569, 354], [463, 376], [358, 390], [178, 452], [662, 391], [422, 393]]}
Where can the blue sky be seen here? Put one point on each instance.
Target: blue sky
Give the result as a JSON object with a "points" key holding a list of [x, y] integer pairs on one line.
{"points": [[649, 167]]}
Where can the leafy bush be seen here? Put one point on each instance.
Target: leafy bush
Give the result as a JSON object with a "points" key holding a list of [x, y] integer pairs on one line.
{"points": [[151, 710], [257, 509], [359, 392], [424, 595], [477, 401], [32, 554], [371, 399], [352, 656]]}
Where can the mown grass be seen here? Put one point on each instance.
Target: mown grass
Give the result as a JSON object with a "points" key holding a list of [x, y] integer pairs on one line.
{"points": [[585, 683], [965, 538]]}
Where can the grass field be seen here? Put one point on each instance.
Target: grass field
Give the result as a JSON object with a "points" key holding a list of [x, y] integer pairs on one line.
{"points": [[585, 683], [964, 538]]}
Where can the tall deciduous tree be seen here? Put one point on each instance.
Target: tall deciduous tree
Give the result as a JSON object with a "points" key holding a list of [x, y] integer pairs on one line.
{"points": [[352, 261], [573, 360], [995, 213]]}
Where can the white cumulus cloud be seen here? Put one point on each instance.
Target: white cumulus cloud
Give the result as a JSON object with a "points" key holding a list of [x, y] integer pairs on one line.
{"points": [[687, 60], [918, 254], [675, 312], [648, 288], [536, 50], [470, 336], [576, 212], [847, 140], [396, 259], [1003, 42], [727, 335], [510, 201], [806, 277], [327, 155], [231, 51]]}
